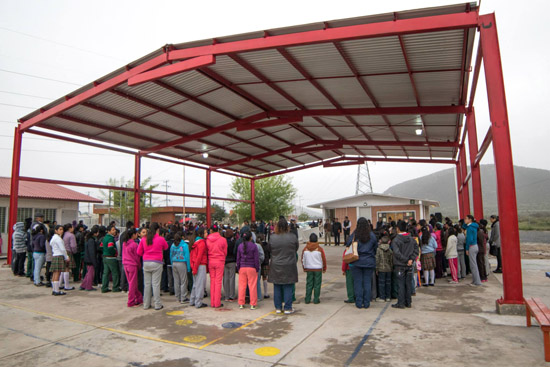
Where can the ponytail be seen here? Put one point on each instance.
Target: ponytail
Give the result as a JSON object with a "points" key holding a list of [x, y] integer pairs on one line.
{"points": [[152, 232]]}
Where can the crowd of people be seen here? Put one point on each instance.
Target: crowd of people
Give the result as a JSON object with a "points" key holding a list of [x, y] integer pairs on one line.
{"points": [[382, 262]]}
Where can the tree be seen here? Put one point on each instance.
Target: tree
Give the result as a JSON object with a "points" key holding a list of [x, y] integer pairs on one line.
{"points": [[303, 217], [273, 196], [122, 202], [218, 214]]}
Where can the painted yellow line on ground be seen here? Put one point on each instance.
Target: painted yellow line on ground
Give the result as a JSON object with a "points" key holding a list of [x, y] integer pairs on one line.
{"points": [[99, 326]]}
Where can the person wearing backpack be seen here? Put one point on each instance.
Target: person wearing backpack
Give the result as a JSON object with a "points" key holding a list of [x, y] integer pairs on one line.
{"points": [[384, 268]]}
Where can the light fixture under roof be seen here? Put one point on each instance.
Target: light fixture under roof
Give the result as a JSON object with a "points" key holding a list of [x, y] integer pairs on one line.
{"points": [[418, 131], [205, 155]]}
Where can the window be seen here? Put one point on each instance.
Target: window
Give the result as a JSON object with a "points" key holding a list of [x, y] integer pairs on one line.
{"points": [[49, 214], [23, 213], [395, 216], [3, 219]]}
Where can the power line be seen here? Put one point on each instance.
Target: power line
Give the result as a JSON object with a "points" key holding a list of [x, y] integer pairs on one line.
{"points": [[59, 43], [26, 95], [40, 77], [16, 105]]}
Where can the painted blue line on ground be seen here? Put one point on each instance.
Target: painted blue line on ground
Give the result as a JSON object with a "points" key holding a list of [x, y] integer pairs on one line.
{"points": [[366, 336]]}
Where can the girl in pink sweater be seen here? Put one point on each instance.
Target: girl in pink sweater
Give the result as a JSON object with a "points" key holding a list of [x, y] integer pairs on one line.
{"points": [[132, 263]]}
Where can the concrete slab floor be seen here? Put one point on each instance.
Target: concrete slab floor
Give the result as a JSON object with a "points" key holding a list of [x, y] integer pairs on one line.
{"points": [[455, 325]]}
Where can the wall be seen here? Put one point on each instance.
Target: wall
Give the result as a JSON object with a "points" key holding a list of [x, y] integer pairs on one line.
{"points": [[163, 217]]}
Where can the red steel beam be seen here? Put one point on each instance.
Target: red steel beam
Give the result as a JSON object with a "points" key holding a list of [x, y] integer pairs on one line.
{"points": [[137, 190], [350, 77], [465, 187], [252, 200], [376, 111], [475, 170], [475, 78], [97, 89], [381, 29], [231, 199], [463, 90], [504, 163], [461, 214], [208, 198], [79, 184], [269, 123], [345, 161], [484, 146], [172, 69], [14, 188]]}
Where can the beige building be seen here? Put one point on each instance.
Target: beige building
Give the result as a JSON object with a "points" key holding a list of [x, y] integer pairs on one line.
{"points": [[376, 206]]}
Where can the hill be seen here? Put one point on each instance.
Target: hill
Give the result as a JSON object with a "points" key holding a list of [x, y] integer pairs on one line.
{"points": [[532, 188]]}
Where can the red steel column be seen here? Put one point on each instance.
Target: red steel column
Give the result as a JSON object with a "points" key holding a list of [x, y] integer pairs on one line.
{"points": [[137, 190], [252, 200], [459, 192], [502, 149], [466, 187], [14, 192], [208, 198], [476, 174]]}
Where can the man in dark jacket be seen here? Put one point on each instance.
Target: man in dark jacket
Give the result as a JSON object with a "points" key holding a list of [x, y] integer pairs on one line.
{"points": [[405, 252], [336, 230]]}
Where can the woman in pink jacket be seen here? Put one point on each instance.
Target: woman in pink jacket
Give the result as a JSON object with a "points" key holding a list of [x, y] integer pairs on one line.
{"points": [[151, 248], [132, 263], [217, 251]]}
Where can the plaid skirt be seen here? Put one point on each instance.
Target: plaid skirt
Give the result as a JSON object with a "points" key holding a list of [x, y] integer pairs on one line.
{"points": [[265, 270], [58, 264], [72, 263], [428, 261]]}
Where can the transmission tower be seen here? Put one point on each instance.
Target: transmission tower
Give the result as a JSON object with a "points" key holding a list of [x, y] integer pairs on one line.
{"points": [[364, 184]]}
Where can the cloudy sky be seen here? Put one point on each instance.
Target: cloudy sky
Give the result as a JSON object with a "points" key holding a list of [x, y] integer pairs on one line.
{"points": [[49, 48]]}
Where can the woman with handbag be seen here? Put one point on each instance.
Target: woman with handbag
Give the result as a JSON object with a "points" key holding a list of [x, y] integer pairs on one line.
{"points": [[363, 268]]}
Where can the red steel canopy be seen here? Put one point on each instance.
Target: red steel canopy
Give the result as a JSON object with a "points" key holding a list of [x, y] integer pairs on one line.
{"points": [[272, 100], [391, 87]]}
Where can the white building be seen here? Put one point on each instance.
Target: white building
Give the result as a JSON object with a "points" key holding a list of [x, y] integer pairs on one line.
{"points": [[57, 203]]}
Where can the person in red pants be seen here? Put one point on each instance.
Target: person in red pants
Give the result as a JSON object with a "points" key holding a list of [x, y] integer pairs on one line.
{"points": [[217, 251], [132, 264], [248, 266]]}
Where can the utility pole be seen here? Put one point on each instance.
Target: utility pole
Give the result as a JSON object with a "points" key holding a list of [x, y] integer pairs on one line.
{"points": [[109, 206]]}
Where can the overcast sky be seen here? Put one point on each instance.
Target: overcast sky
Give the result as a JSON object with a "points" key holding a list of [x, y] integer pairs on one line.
{"points": [[71, 43]]}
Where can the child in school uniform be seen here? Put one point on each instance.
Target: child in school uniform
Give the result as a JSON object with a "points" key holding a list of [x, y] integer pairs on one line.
{"points": [[314, 264], [451, 254]]}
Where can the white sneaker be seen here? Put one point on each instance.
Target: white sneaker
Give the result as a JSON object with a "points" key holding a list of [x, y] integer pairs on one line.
{"points": [[289, 312], [241, 307], [278, 311], [252, 307]]}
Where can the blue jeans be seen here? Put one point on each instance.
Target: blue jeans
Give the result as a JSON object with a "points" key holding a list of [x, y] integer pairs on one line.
{"points": [[362, 284], [282, 292], [384, 284], [39, 259]]}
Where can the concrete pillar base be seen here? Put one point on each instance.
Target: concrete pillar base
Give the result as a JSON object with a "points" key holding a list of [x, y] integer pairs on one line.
{"points": [[508, 309]]}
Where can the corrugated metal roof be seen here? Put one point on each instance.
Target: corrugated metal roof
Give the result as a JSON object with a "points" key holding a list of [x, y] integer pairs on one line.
{"points": [[322, 75], [45, 191]]}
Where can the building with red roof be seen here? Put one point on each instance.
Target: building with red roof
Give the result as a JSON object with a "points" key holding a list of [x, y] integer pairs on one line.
{"points": [[56, 202]]}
